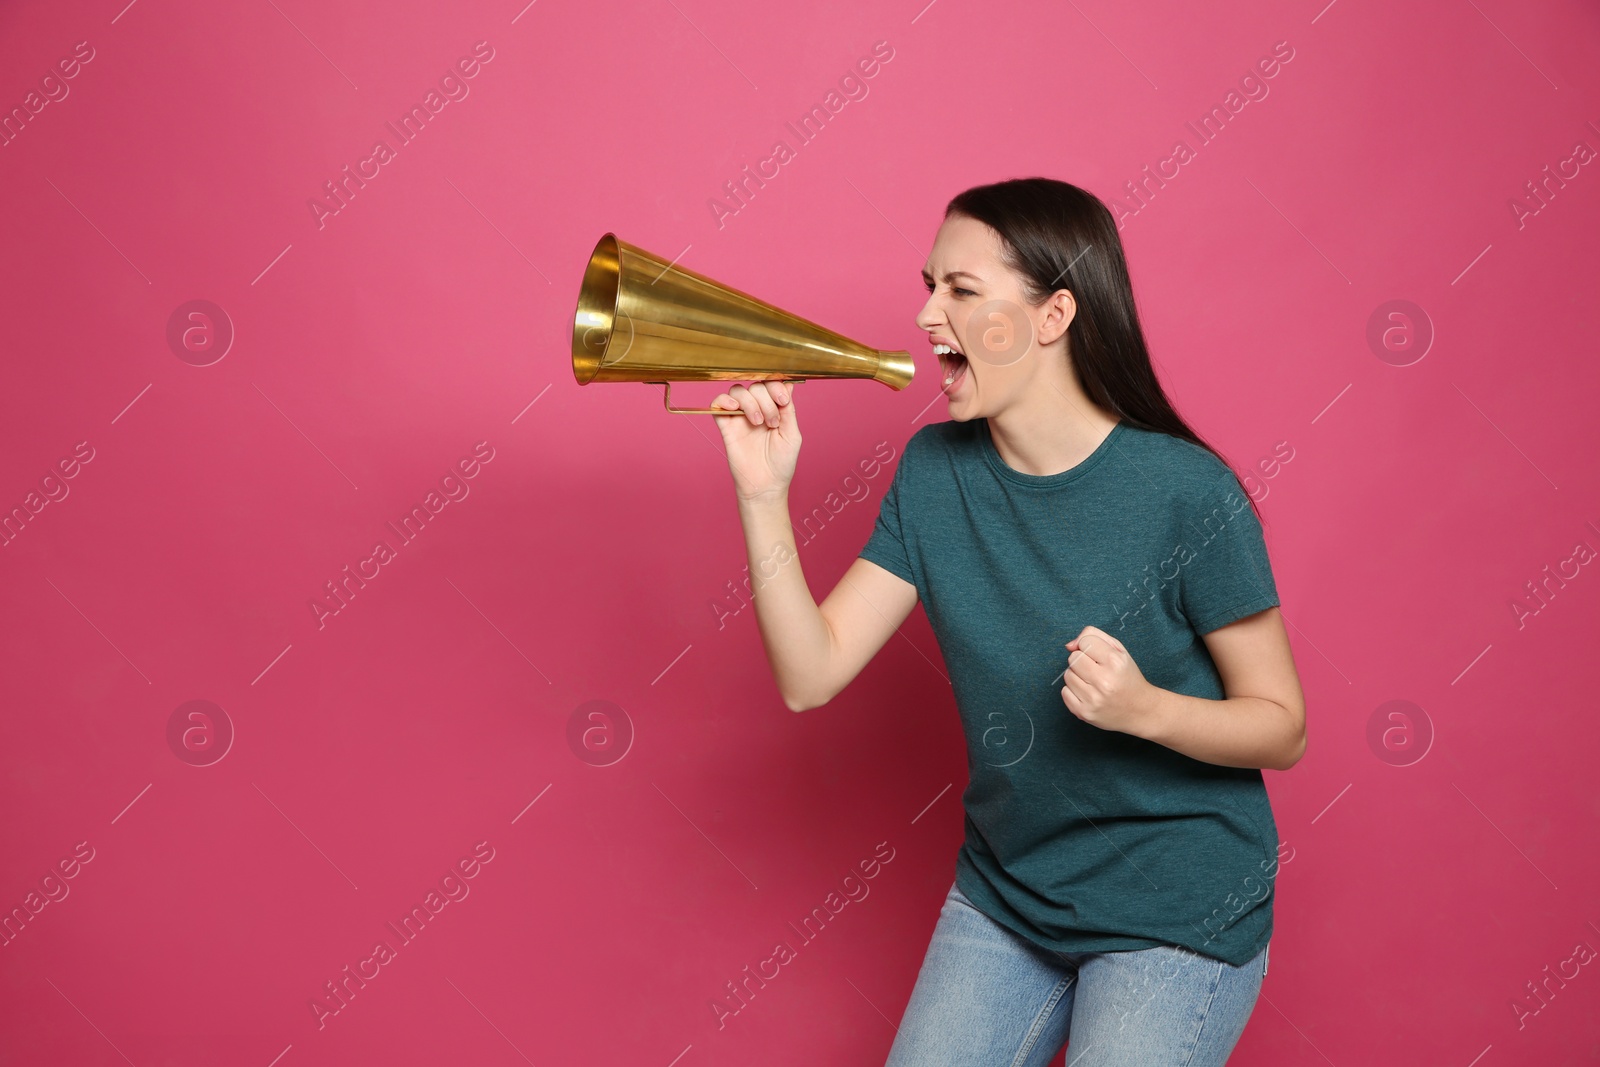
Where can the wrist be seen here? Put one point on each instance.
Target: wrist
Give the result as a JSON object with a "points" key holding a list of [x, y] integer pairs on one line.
{"points": [[766, 499], [1162, 714]]}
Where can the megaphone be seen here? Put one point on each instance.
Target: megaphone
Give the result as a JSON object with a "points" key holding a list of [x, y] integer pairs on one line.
{"points": [[641, 318]]}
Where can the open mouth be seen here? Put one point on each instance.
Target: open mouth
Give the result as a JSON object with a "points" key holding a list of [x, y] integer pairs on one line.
{"points": [[953, 366]]}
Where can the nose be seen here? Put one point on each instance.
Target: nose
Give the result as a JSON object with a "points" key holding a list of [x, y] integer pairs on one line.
{"points": [[928, 318]]}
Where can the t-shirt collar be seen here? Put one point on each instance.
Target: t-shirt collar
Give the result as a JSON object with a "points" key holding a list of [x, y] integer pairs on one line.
{"points": [[1045, 481]]}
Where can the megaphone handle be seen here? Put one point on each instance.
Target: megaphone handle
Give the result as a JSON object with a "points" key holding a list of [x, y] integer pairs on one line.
{"points": [[666, 399]]}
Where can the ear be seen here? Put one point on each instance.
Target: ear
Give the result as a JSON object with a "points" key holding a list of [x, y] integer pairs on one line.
{"points": [[1059, 309]]}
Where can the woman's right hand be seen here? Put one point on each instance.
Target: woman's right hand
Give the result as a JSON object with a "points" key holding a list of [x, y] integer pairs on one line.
{"points": [[763, 441]]}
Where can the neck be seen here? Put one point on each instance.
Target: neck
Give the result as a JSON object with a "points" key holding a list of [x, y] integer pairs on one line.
{"points": [[1054, 427]]}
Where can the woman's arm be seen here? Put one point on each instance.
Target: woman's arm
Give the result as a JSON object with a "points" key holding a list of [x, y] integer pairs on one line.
{"points": [[816, 651], [1260, 723]]}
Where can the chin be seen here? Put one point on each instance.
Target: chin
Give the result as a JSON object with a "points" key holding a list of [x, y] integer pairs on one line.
{"points": [[964, 410]]}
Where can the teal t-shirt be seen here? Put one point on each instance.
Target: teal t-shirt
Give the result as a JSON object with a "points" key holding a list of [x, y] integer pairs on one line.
{"points": [[1077, 838]]}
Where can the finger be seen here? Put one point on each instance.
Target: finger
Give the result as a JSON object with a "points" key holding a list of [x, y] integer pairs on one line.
{"points": [[1074, 659], [780, 392], [1082, 667], [1089, 648], [1109, 649], [748, 403], [769, 407], [724, 402], [1087, 696], [789, 418], [1107, 637], [1075, 694]]}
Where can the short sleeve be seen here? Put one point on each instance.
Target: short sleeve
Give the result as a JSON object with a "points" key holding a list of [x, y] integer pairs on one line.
{"points": [[1225, 573], [887, 545]]}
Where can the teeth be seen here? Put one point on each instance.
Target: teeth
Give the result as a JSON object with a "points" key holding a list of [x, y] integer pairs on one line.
{"points": [[946, 350]]}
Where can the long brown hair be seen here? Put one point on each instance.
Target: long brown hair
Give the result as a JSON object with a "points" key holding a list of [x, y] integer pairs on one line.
{"points": [[1058, 236]]}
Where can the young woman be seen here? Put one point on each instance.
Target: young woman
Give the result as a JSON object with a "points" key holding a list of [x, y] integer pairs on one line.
{"points": [[1100, 589]]}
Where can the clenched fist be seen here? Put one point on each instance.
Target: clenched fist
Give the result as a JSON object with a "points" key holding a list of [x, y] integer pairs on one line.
{"points": [[1105, 688]]}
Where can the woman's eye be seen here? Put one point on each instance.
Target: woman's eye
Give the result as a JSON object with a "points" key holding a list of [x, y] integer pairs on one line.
{"points": [[928, 284], [964, 292]]}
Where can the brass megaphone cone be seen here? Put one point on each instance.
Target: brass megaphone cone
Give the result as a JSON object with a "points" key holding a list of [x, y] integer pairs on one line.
{"points": [[642, 319]]}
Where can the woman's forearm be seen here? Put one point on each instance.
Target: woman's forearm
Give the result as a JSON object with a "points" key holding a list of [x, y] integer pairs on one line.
{"points": [[1236, 732], [793, 631]]}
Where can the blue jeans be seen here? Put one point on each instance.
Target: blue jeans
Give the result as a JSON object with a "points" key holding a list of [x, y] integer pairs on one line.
{"points": [[988, 998]]}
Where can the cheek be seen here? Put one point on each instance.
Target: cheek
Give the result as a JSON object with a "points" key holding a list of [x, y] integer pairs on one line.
{"points": [[959, 318]]}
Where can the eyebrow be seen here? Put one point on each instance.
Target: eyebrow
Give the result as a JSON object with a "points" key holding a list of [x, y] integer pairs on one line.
{"points": [[952, 274]]}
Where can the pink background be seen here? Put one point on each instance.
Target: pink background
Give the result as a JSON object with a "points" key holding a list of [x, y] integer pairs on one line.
{"points": [[588, 560]]}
